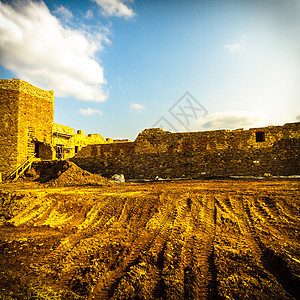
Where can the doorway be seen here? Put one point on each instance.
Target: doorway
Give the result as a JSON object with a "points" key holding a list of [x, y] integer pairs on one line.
{"points": [[59, 151], [37, 149]]}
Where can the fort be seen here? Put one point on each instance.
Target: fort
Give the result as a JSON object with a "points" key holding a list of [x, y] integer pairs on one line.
{"points": [[272, 150], [68, 233], [27, 128]]}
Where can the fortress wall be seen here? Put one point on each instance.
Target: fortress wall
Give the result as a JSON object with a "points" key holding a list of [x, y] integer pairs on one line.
{"points": [[156, 140], [121, 141], [198, 154], [26, 118], [9, 100], [82, 140], [113, 150], [62, 129], [36, 113], [207, 163], [63, 135]]}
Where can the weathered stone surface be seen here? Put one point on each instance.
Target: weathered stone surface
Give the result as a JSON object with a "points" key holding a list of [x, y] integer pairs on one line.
{"points": [[26, 127], [198, 154], [73, 143], [26, 117]]}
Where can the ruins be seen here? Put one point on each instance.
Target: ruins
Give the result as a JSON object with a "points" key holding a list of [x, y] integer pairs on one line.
{"points": [[27, 128], [66, 232]]}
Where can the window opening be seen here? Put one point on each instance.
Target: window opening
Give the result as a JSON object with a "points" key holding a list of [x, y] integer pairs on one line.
{"points": [[260, 136]]}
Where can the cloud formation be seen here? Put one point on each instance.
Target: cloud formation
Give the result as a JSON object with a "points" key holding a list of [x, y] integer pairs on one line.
{"points": [[236, 46], [137, 107], [64, 13], [229, 120], [233, 47], [90, 111], [51, 56], [115, 8], [89, 14]]}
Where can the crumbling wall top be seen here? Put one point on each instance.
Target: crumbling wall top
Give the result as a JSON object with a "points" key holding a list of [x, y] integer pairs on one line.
{"points": [[25, 87], [58, 128], [150, 132]]}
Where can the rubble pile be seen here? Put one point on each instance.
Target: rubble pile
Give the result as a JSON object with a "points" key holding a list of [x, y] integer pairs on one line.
{"points": [[66, 173]]}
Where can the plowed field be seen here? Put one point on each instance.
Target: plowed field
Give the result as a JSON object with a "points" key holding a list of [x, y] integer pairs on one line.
{"points": [[213, 239]]}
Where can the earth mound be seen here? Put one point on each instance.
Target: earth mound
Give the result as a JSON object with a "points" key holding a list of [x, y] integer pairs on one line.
{"points": [[66, 173]]}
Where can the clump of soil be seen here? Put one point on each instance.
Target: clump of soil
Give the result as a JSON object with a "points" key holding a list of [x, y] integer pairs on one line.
{"points": [[66, 173]]}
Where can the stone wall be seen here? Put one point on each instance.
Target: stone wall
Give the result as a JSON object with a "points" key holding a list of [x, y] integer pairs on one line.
{"points": [[63, 136], [274, 150], [26, 117], [36, 113], [82, 140], [73, 143], [26, 127], [9, 100]]}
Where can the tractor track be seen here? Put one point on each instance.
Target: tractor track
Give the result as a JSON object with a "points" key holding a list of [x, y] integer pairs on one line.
{"points": [[273, 263], [175, 241]]}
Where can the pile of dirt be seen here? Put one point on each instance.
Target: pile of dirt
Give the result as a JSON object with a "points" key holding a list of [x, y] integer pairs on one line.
{"points": [[66, 173]]}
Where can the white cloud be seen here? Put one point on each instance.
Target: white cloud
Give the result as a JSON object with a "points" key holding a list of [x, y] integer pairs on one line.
{"points": [[64, 13], [115, 8], [89, 14], [230, 120], [38, 49], [233, 47], [137, 107], [236, 46], [90, 111], [298, 118]]}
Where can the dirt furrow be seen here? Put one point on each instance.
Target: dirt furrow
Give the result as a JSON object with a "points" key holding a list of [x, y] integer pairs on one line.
{"points": [[209, 239], [273, 263], [201, 272]]}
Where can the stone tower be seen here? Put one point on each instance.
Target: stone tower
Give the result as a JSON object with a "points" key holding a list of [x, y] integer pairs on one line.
{"points": [[26, 118]]}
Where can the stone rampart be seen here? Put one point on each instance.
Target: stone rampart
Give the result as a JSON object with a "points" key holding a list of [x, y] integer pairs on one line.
{"points": [[273, 150], [26, 117], [36, 113], [8, 130], [82, 140], [26, 128]]}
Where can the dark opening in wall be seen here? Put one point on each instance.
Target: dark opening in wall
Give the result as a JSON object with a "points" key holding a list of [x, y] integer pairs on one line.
{"points": [[260, 136], [76, 149], [37, 149], [59, 151]]}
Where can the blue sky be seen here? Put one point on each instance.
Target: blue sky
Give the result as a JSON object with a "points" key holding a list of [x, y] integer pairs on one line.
{"points": [[118, 67]]}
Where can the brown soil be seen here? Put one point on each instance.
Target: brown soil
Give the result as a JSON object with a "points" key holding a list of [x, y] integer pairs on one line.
{"points": [[64, 173], [214, 239]]}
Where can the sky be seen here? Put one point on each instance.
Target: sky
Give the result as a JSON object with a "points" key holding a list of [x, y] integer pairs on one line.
{"points": [[118, 67]]}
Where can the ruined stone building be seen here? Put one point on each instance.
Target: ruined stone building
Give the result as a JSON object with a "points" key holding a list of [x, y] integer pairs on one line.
{"points": [[272, 150], [27, 128]]}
